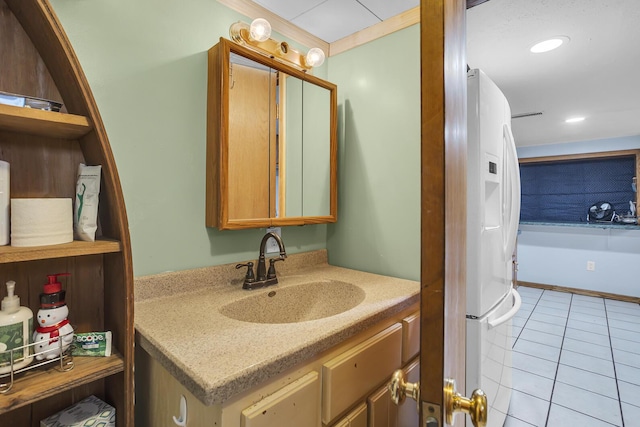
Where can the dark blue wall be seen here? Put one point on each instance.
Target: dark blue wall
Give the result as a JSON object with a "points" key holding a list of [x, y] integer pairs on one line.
{"points": [[564, 191]]}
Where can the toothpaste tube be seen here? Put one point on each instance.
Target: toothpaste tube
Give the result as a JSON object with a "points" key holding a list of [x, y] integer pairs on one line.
{"points": [[92, 344]]}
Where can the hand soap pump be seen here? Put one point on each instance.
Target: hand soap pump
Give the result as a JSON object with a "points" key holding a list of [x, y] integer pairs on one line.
{"points": [[16, 324], [54, 334]]}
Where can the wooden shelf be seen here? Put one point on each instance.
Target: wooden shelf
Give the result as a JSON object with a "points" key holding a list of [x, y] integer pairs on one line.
{"points": [[44, 123], [76, 248], [44, 149], [38, 384]]}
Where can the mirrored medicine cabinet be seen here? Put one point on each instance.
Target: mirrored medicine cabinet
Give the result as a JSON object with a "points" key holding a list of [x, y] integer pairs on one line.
{"points": [[271, 142]]}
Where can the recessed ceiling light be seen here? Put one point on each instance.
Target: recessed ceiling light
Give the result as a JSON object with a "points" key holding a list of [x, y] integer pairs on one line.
{"points": [[550, 44], [574, 120]]}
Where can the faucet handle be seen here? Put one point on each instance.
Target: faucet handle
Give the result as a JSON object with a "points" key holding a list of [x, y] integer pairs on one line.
{"points": [[272, 267], [249, 277]]}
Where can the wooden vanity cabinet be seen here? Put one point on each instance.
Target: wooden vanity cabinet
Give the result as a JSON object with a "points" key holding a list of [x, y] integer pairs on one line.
{"points": [[351, 375], [158, 397], [410, 337], [408, 410], [296, 404], [356, 418], [344, 386], [44, 149], [382, 412]]}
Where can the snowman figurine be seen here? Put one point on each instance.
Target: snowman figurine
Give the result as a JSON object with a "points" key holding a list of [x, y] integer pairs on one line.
{"points": [[53, 334]]}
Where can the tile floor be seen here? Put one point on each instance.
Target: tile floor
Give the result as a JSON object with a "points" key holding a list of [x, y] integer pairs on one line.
{"points": [[576, 361]]}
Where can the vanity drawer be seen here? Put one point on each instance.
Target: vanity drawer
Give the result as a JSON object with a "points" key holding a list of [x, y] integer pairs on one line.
{"points": [[353, 374], [296, 404], [410, 336]]}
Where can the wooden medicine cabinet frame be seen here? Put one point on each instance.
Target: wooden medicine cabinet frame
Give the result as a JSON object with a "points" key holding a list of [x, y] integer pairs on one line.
{"points": [[218, 143]]}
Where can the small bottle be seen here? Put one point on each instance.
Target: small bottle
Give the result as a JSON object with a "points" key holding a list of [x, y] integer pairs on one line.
{"points": [[16, 324]]}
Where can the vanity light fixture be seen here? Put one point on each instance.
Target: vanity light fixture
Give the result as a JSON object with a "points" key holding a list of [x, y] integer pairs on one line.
{"points": [[549, 44], [260, 30], [257, 37], [315, 57]]}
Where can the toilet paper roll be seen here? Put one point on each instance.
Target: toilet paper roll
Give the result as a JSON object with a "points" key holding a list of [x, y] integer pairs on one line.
{"points": [[4, 203], [37, 222]]}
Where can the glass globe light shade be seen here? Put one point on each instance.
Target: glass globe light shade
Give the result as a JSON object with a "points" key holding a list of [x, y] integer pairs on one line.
{"points": [[260, 30], [315, 57]]}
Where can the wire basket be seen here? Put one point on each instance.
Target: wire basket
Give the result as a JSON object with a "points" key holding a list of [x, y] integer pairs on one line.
{"points": [[16, 356]]}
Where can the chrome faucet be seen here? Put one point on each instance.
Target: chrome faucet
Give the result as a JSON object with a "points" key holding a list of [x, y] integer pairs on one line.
{"points": [[264, 278]]}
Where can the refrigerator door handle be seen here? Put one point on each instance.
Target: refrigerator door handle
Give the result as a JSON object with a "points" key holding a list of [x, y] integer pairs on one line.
{"points": [[514, 183], [517, 302]]}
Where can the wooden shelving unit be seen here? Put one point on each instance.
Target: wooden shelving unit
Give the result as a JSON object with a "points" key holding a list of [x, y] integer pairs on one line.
{"points": [[76, 248], [43, 123], [36, 385], [44, 149]]}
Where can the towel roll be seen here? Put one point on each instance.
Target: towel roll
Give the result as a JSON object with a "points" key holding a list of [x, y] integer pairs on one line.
{"points": [[39, 222]]}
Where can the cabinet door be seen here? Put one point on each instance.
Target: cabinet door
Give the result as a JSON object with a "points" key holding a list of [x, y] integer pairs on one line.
{"points": [[252, 140], [407, 411], [355, 418], [382, 411], [296, 404], [158, 397], [353, 374]]}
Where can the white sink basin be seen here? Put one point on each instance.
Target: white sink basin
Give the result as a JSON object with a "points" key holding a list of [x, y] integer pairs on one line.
{"points": [[298, 303]]}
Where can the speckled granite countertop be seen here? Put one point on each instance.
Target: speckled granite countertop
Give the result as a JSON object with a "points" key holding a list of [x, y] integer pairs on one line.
{"points": [[178, 323]]}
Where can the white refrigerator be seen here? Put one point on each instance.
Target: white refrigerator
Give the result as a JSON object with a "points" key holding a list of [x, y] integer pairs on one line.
{"points": [[493, 211]]}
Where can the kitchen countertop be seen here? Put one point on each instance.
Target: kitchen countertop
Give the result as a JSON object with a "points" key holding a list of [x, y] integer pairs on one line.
{"points": [[602, 225], [178, 322]]}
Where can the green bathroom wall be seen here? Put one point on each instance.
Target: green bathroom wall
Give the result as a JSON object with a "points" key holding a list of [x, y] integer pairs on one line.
{"points": [[378, 228], [146, 62]]}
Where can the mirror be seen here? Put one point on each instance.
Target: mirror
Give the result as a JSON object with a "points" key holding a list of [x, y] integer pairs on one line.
{"points": [[271, 142]]}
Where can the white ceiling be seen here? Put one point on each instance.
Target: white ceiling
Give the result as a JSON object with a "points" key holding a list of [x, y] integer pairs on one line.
{"points": [[591, 76], [331, 20]]}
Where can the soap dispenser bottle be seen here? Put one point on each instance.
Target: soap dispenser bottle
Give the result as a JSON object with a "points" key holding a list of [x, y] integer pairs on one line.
{"points": [[16, 324], [54, 334]]}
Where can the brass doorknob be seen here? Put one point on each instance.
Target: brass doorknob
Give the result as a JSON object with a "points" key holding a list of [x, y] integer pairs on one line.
{"points": [[476, 407], [400, 388]]}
